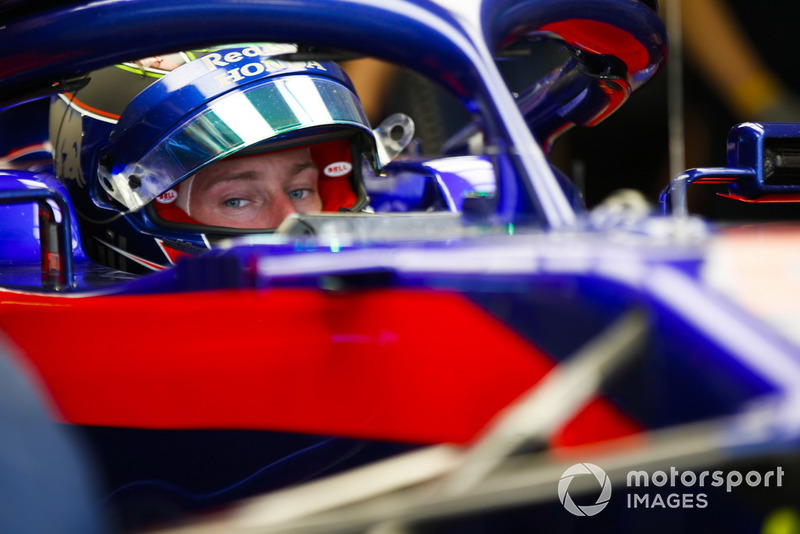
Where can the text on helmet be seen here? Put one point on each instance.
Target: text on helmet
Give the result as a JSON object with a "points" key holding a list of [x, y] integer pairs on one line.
{"points": [[265, 64]]}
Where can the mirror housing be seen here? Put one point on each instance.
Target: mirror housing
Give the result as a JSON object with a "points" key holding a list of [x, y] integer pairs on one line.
{"points": [[763, 166], [25, 191], [772, 151]]}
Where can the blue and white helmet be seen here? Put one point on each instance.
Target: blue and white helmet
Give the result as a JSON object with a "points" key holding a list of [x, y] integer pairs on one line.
{"points": [[126, 139]]}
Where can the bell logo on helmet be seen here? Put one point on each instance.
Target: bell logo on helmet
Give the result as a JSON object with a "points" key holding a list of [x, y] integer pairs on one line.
{"points": [[336, 169], [167, 197]]}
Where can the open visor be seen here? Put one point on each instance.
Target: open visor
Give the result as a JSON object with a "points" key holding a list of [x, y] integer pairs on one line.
{"points": [[227, 125]]}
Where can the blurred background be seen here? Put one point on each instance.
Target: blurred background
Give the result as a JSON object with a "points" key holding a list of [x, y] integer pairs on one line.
{"points": [[731, 61]]}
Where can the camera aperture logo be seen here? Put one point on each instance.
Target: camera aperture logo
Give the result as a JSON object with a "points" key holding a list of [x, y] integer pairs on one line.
{"points": [[583, 470], [670, 488]]}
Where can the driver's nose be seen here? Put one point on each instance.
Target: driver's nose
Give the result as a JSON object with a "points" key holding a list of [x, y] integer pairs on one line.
{"points": [[279, 208]]}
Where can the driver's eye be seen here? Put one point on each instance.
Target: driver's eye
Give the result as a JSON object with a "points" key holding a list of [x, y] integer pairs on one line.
{"points": [[235, 203], [299, 194]]}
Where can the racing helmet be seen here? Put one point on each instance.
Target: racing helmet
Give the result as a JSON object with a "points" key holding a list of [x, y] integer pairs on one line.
{"points": [[133, 133]]}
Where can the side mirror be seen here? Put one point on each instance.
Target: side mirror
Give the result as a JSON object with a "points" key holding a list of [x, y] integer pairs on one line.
{"points": [[772, 151], [763, 166], [54, 222]]}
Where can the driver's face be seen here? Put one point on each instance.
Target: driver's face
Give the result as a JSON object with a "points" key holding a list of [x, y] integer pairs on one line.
{"points": [[257, 191]]}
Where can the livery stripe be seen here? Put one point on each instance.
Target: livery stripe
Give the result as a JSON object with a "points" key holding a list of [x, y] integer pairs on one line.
{"points": [[86, 109], [138, 259]]}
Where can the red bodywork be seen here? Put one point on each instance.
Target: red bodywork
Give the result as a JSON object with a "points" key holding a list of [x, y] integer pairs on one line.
{"points": [[368, 364]]}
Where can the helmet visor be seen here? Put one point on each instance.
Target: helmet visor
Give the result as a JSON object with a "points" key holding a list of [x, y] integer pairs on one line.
{"points": [[227, 125]]}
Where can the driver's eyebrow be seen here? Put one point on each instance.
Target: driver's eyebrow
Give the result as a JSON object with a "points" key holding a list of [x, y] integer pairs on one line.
{"points": [[300, 166], [250, 175], [205, 185]]}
